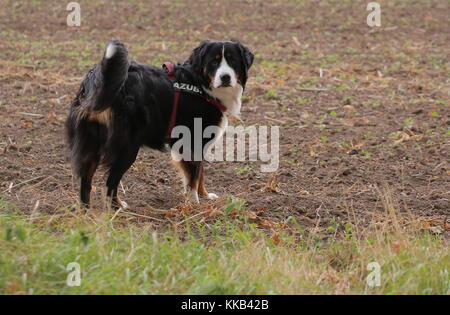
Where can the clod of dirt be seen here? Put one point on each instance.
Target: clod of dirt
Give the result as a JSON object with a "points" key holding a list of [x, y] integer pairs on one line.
{"points": [[347, 172]]}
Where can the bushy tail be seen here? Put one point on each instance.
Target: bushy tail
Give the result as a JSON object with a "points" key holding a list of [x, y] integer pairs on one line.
{"points": [[110, 75], [97, 92]]}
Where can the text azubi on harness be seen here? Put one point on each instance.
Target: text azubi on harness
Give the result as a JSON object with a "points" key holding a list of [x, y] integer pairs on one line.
{"points": [[187, 88]]}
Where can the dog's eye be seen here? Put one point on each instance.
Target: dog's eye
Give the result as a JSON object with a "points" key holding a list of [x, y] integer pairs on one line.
{"points": [[215, 62]]}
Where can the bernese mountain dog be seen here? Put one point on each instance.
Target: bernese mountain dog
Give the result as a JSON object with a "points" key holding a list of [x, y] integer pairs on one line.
{"points": [[123, 105]]}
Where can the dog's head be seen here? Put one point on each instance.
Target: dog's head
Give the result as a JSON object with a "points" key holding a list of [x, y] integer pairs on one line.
{"points": [[221, 65]]}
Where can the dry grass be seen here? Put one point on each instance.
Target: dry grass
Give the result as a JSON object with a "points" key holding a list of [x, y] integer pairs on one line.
{"points": [[227, 255]]}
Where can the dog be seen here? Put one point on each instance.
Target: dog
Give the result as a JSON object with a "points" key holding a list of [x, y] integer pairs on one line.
{"points": [[122, 105]]}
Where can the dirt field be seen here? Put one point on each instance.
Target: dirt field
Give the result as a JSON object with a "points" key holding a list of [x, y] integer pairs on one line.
{"points": [[363, 112]]}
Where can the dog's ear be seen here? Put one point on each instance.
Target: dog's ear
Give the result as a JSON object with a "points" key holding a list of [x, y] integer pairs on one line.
{"points": [[246, 55], [197, 56]]}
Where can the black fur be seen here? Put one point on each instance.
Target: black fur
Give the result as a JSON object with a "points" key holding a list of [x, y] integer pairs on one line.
{"points": [[122, 105]]}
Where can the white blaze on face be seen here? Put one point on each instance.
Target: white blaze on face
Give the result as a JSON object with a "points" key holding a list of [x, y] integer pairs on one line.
{"points": [[231, 96], [224, 69]]}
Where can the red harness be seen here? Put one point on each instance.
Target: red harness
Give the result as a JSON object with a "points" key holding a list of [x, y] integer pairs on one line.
{"points": [[170, 70]]}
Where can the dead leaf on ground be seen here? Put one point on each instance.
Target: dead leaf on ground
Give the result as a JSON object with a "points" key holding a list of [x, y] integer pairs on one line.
{"points": [[250, 214], [213, 214], [51, 117], [265, 223], [329, 275], [404, 136], [396, 247], [349, 108], [170, 213], [272, 184], [357, 122], [311, 150], [276, 239]]}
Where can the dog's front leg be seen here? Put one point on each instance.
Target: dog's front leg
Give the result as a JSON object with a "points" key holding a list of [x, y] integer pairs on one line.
{"points": [[201, 186], [193, 180], [190, 171]]}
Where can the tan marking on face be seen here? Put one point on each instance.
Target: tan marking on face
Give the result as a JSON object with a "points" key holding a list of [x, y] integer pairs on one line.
{"points": [[238, 79]]}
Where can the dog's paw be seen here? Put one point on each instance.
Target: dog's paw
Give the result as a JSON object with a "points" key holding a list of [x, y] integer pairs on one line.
{"points": [[192, 196], [118, 204], [123, 205], [212, 196]]}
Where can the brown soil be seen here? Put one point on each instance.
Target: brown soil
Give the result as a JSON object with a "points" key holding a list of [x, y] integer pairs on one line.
{"points": [[376, 122]]}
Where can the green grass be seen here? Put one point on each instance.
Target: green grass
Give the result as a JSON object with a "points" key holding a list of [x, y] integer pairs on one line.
{"points": [[227, 256]]}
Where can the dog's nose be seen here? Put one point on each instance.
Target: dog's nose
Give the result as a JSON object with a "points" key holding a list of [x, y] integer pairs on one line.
{"points": [[226, 79]]}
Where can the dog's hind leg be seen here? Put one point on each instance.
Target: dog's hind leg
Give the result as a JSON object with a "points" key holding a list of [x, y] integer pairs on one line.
{"points": [[116, 171], [88, 169]]}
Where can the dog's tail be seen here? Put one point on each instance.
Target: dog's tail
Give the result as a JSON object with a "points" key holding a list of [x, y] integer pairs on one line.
{"points": [[98, 92], [111, 75]]}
